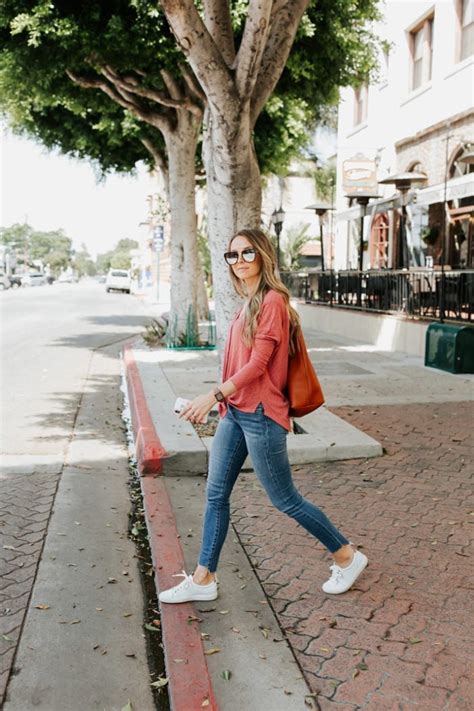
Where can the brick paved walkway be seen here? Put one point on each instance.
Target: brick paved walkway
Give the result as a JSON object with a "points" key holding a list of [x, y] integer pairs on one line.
{"points": [[403, 638], [25, 507]]}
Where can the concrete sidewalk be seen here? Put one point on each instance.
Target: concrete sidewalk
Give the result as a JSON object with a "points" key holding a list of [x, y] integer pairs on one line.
{"points": [[74, 603], [362, 650]]}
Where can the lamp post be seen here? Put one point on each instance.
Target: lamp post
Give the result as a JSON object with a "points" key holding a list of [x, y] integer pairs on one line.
{"points": [[320, 208], [403, 182], [277, 219]]}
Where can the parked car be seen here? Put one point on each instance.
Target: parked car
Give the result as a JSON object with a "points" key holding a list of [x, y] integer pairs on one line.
{"points": [[67, 278], [118, 280], [5, 282], [34, 279], [15, 280]]}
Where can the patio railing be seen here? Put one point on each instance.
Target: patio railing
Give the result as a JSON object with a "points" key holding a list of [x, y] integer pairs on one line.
{"points": [[424, 293]]}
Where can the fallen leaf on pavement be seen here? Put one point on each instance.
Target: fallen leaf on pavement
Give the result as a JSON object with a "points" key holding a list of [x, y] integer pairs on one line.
{"points": [[42, 606], [205, 702], [161, 682], [212, 650], [152, 628], [128, 707], [226, 674]]}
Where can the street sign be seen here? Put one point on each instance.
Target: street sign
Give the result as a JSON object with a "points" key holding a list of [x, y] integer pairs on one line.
{"points": [[158, 238]]}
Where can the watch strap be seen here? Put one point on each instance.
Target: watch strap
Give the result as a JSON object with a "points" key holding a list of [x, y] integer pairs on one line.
{"points": [[218, 395]]}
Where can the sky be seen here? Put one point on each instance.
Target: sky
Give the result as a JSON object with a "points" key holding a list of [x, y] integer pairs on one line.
{"points": [[50, 191]]}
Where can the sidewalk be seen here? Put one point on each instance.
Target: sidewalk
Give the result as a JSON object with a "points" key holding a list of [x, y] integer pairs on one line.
{"points": [[401, 638]]}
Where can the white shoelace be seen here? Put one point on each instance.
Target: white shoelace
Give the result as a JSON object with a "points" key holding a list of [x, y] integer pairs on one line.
{"points": [[337, 572], [188, 579]]}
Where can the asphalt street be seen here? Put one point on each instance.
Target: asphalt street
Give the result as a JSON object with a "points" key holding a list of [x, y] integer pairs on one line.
{"points": [[69, 639], [48, 335]]}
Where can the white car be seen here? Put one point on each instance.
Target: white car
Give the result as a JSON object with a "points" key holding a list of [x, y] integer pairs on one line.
{"points": [[66, 278], [118, 280], [5, 282], [34, 279]]}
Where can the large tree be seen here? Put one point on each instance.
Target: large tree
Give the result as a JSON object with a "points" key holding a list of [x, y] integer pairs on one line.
{"points": [[53, 53], [122, 49], [238, 69]]}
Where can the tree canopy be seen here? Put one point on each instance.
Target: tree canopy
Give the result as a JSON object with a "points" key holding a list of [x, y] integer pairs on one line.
{"points": [[334, 46]]}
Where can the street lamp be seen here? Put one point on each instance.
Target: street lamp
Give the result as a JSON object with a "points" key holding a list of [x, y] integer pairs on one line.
{"points": [[403, 182], [277, 219], [320, 208]]}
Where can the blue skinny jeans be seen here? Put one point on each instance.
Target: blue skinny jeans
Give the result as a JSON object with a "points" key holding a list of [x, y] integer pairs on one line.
{"points": [[238, 434]]}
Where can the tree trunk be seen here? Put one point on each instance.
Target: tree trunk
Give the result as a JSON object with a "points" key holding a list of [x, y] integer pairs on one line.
{"points": [[234, 199], [185, 263]]}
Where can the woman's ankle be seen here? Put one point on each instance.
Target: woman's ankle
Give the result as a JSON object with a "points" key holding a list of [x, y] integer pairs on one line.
{"points": [[344, 556], [203, 578]]}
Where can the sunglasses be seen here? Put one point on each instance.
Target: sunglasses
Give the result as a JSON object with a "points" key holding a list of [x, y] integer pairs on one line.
{"points": [[248, 255]]}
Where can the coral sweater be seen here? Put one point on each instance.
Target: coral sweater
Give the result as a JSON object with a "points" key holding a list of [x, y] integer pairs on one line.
{"points": [[260, 373]]}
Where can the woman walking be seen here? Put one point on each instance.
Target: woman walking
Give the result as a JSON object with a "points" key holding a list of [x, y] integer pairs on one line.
{"points": [[255, 420]]}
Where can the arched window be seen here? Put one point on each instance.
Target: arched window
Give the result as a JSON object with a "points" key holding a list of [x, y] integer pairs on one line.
{"points": [[457, 168], [416, 167], [379, 242]]}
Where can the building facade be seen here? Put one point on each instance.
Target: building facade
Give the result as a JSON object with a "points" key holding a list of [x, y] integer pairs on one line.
{"points": [[418, 117]]}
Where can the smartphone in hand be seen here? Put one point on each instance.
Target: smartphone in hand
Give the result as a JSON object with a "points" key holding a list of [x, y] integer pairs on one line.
{"points": [[180, 404]]}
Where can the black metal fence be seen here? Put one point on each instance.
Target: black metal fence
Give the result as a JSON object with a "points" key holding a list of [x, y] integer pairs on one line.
{"points": [[419, 294]]}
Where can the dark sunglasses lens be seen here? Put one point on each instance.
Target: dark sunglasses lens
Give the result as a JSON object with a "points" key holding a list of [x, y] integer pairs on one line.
{"points": [[231, 257], [249, 255]]}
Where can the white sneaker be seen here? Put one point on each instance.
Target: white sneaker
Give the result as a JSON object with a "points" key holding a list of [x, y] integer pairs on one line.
{"points": [[344, 578], [188, 590]]}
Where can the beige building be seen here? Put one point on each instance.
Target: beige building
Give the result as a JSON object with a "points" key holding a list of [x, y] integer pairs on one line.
{"points": [[419, 116]]}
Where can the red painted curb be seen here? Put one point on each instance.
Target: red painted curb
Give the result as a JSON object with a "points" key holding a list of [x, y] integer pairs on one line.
{"points": [[148, 448], [189, 682]]}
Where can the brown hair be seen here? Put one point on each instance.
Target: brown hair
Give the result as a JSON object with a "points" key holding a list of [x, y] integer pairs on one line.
{"points": [[269, 279]]}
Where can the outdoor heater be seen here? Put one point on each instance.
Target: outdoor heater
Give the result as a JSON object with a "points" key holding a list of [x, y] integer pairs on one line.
{"points": [[403, 182], [320, 208]]}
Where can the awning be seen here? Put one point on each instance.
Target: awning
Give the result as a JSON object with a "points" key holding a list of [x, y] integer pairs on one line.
{"points": [[456, 188]]}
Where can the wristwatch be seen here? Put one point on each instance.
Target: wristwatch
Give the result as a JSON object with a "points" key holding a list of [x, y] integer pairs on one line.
{"points": [[218, 395]]}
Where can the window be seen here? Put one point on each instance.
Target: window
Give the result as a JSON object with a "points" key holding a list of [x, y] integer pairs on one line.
{"points": [[360, 104], [467, 28], [421, 40]]}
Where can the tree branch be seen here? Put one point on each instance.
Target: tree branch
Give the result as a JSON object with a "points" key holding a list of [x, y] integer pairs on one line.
{"points": [[219, 24], [157, 155], [285, 19], [172, 85], [252, 46], [192, 85], [131, 85], [150, 117], [202, 52]]}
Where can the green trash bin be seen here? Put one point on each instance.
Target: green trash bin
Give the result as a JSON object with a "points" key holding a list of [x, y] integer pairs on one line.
{"points": [[450, 347]]}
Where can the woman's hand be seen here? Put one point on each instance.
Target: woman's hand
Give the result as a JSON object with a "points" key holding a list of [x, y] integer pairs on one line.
{"points": [[198, 408]]}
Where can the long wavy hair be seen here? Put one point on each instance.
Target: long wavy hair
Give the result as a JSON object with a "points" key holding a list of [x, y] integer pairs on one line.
{"points": [[269, 279]]}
